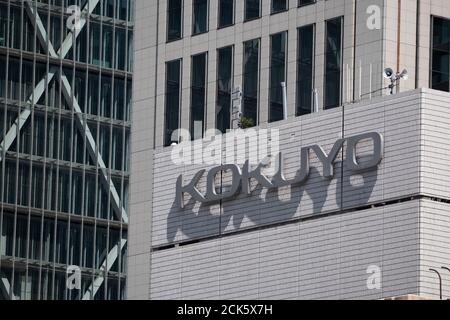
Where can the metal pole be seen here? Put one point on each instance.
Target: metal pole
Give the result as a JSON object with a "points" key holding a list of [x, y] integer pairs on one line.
{"points": [[360, 80], [316, 100], [440, 282], [285, 112]]}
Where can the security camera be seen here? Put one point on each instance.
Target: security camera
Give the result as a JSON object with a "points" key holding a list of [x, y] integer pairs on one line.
{"points": [[388, 73]]}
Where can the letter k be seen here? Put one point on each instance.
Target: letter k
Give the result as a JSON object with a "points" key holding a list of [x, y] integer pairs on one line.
{"points": [[191, 189]]}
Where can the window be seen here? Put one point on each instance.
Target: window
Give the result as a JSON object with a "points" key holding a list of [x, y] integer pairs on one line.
{"points": [[107, 46], [200, 16], [440, 71], [279, 6], [305, 70], [3, 24], [198, 95], [333, 64], [121, 48], [224, 85], [172, 107], [251, 80], [305, 2], [252, 9], [277, 75], [226, 13], [174, 20], [2, 81], [95, 40]]}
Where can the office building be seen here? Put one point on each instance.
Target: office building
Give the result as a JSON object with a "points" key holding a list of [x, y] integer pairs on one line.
{"points": [[358, 208], [65, 122]]}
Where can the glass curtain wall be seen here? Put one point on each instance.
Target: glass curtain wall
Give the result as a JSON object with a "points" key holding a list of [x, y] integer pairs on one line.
{"points": [[65, 172]]}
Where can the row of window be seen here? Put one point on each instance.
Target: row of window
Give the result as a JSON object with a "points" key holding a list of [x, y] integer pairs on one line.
{"points": [[98, 44], [60, 189], [251, 80], [58, 242], [50, 284], [101, 95], [56, 138], [118, 9], [226, 14]]}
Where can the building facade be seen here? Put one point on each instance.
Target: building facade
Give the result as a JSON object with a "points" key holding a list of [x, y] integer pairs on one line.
{"points": [[226, 231], [65, 121]]}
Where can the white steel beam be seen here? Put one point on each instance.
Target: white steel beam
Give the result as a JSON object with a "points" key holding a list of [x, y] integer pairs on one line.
{"points": [[105, 267], [68, 42], [41, 33], [92, 148], [11, 135], [40, 88], [6, 288]]}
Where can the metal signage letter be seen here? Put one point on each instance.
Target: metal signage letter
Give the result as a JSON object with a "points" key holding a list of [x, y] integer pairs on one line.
{"points": [[378, 148]]}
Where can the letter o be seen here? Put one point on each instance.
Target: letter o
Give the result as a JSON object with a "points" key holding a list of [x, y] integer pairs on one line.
{"points": [[211, 193], [378, 145]]}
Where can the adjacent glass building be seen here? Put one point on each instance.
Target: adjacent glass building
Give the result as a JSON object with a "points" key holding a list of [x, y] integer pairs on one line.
{"points": [[65, 105]]}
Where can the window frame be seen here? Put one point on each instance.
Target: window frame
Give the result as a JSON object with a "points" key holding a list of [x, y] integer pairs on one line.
{"points": [[286, 59], [180, 103], [253, 18], [431, 52], [300, 5], [258, 95], [232, 47], [325, 107], [205, 100], [313, 62], [193, 33], [272, 12], [181, 23], [233, 18]]}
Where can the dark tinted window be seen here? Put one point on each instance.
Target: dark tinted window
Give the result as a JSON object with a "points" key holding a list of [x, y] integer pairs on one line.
{"points": [[172, 108], [441, 54], [200, 16], [251, 79], [174, 19], [279, 5], [224, 84], [305, 2], [252, 9], [198, 95], [277, 75], [226, 13], [333, 63], [305, 67]]}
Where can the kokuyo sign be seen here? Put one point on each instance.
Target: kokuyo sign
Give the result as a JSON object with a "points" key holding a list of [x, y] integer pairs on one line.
{"points": [[241, 177]]}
